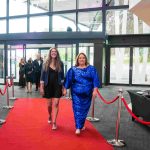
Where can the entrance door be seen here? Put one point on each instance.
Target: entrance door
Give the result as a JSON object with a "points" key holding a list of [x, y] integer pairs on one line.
{"points": [[67, 54], [141, 66], [15, 53], [119, 65]]}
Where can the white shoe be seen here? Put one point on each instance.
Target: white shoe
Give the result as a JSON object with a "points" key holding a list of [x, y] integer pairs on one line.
{"points": [[77, 131]]}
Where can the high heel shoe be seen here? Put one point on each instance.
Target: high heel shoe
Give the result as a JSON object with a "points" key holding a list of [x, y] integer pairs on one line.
{"points": [[83, 128], [77, 131], [54, 126], [49, 120]]}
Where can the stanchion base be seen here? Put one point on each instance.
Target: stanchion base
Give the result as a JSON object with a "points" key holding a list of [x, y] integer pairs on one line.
{"points": [[2, 121], [68, 98], [12, 98], [8, 107], [92, 119], [117, 143]]}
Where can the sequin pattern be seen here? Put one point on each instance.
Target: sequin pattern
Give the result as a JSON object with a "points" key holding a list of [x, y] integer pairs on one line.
{"points": [[81, 81]]}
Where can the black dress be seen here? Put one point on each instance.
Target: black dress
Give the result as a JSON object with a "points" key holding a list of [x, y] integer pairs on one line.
{"points": [[22, 81], [53, 89]]}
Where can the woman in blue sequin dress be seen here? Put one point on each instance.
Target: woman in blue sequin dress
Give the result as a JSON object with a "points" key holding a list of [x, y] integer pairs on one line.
{"points": [[83, 81]]}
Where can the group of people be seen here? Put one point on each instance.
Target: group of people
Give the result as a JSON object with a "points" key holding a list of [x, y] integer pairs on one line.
{"points": [[82, 79], [30, 73]]}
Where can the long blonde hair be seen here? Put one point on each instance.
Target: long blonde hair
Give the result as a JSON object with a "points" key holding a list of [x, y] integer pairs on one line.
{"points": [[57, 61], [77, 58]]}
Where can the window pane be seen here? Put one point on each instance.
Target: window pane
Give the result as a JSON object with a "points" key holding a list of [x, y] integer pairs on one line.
{"points": [[2, 26], [17, 7], [2, 8], [39, 24], [119, 65], [64, 22], [124, 22], [141, 66], [39, 6], [89, 3], [18, 25], [117, 2], [64, 5], [90, 21]]}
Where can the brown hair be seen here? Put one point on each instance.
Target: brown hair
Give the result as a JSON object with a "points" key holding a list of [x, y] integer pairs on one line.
{"points": [[57, 61], [77, 58]]}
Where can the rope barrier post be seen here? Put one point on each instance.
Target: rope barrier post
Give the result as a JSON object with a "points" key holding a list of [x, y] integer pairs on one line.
{"points": [[12, 80], [116, 142], [8, 106], [92, 118], [2, 121]]}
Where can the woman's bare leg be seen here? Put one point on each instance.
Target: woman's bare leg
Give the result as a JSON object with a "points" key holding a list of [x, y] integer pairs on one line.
{"points": [[49, 105], [56, 109]]}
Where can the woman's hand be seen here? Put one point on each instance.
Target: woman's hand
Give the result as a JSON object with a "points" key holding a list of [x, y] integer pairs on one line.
{"points": [[64, 91], [94, 94], [42, 90]]}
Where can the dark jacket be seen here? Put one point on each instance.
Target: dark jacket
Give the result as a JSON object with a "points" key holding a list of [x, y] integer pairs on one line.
{"points": [[44, 76]]}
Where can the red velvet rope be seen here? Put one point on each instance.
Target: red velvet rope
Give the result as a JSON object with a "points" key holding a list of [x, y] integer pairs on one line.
{"points": [[126, 105], [132, 114], [2, 93], [106, 101]]}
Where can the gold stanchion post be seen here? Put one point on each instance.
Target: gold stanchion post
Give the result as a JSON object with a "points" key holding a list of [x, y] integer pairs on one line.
{"points": [[92, 118], [7, 96], [2, 121], [12, 79], [116, 142]]}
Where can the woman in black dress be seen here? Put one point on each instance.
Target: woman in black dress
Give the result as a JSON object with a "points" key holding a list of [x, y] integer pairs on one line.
{"points": [[29, 75], [52, 76], [22, 81]]}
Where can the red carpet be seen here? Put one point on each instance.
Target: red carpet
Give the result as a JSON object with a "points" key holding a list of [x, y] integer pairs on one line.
{"points": [[26, 128]]}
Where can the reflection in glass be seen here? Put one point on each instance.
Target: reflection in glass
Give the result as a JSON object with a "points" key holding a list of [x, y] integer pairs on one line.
{"points": [[89, 4], [59, 5], [3, 8], [39, 24], [116, 2], [18, 25], [63, 22], [90, 21], [124, 22], [39, 6], [119, 65], [17, 7], [141, 66], [2, 26]]}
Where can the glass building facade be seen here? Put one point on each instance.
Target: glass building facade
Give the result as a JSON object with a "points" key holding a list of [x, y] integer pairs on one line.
{"points": [[26, 18]]}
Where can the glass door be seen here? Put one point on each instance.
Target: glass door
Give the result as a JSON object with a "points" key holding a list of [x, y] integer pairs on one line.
{"points": [[141, 66], [15, 53], [119, 65], [67, 54]]}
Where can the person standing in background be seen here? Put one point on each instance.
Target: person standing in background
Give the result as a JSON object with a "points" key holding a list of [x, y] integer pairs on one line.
{"points": [[37, 66], [22, 81], [29, 75]]}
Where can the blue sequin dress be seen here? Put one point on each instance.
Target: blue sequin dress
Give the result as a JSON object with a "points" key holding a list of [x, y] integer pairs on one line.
{"points": [[82, 81]]}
